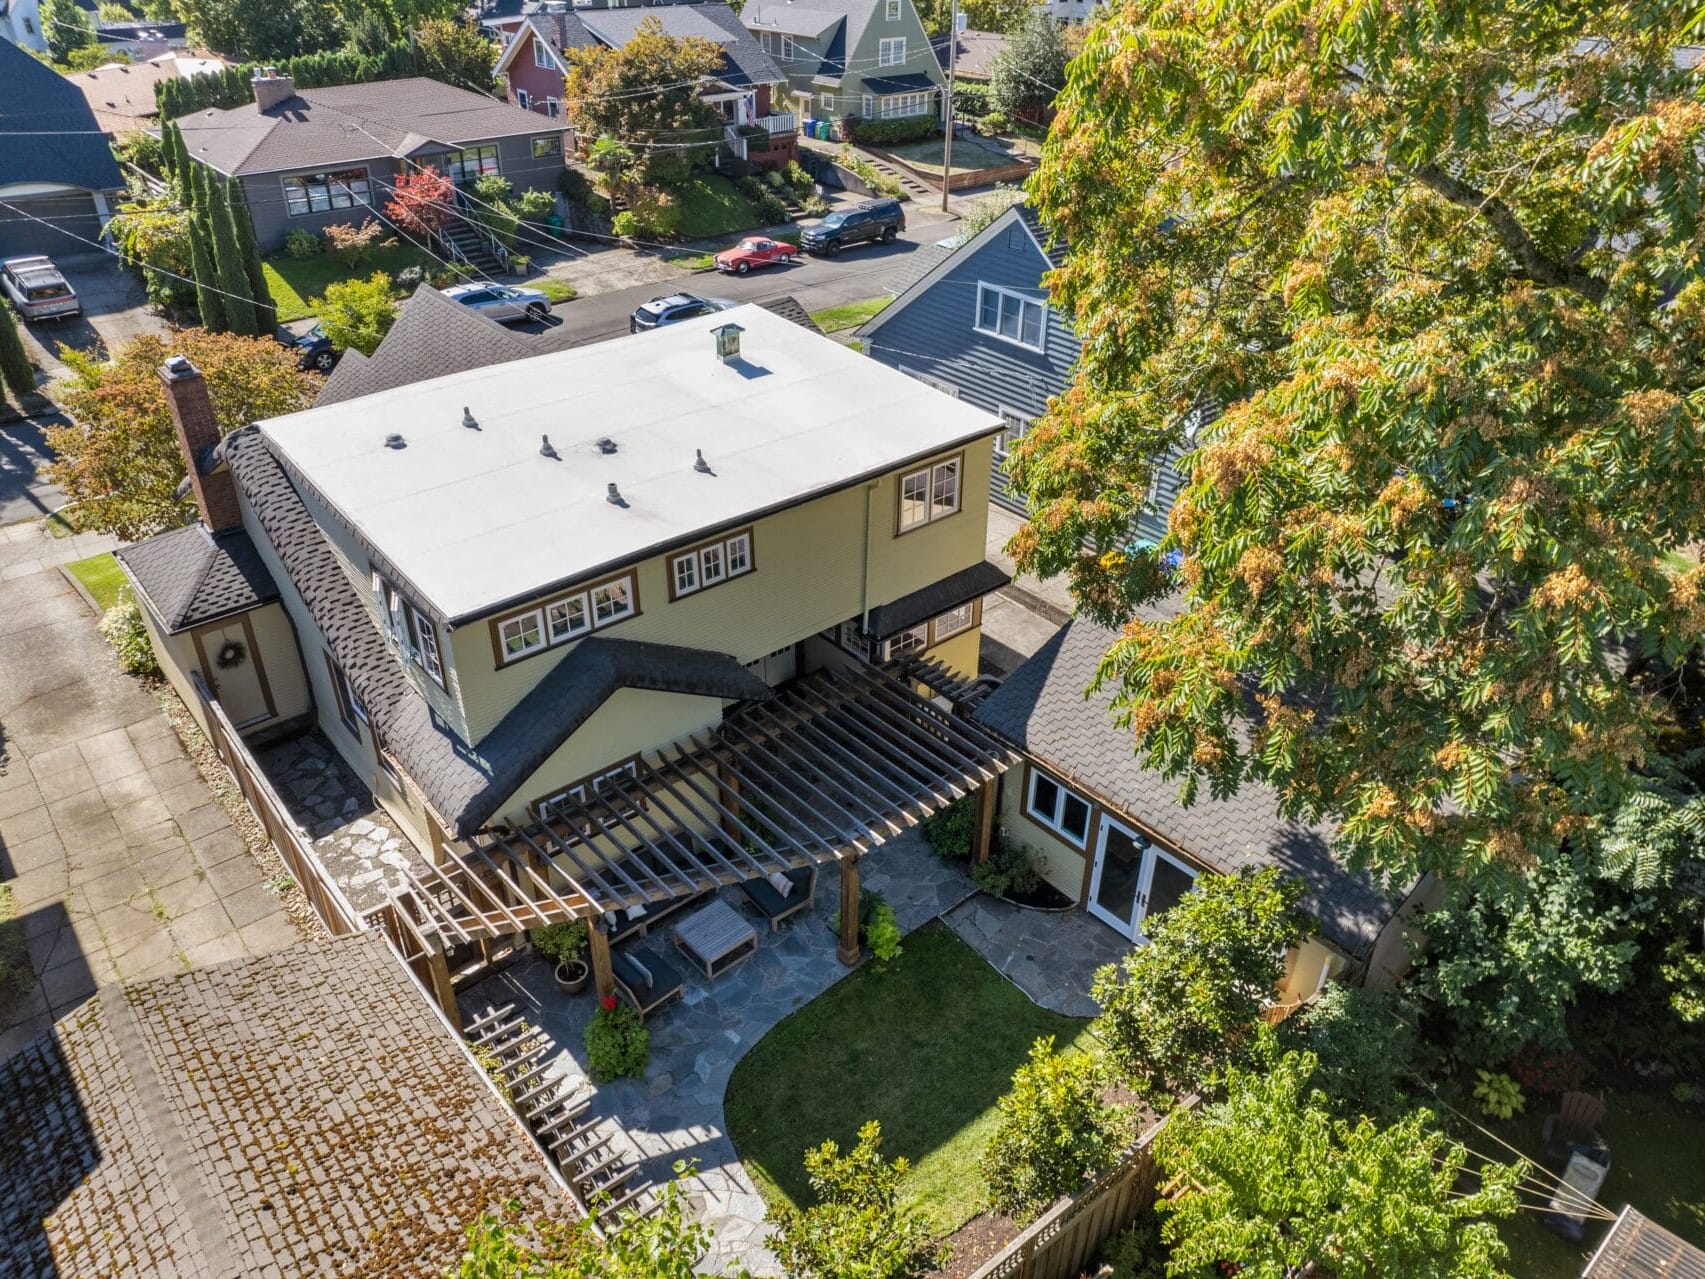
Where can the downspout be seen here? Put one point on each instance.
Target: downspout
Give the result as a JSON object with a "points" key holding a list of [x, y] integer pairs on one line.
{"points": [[864, 580]]}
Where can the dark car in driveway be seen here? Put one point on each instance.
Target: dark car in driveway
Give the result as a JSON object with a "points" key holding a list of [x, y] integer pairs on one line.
{"points": [[865, 223], [672, 309], [314, 351]]}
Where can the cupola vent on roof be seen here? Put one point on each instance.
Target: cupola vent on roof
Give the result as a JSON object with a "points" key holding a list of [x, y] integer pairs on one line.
{"points": [[699, 464], [605, 445], [469, 420], [614, 496]]}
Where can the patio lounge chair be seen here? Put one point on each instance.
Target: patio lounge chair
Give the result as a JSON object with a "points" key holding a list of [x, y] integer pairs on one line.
{"points": [[645, 981], [1575, 1124], [776, 908]]}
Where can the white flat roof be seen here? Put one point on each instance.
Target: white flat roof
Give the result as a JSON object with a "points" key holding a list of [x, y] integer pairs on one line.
{"points": [[475, 519]]}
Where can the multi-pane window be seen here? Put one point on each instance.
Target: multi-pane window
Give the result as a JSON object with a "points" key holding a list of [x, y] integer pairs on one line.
{"points": [[542, 54], [522, 634], [567, 618], [953, 622], [409, 627], [475, 162], [426, 645], [893, 13], [891, 51], [896, 105], [944, 489], [553, 108], [1060, 810], [788, 48], [319, 192], [612, 601], [704, 566], [931, 493], [867, 106], [1013, 427], [1012, 316], [544, 148], [825, 102], [912, 640]]}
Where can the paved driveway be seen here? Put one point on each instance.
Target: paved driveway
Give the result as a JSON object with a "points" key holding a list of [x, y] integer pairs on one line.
{"points": [[114, 311], [121, 863], [24, 493]]}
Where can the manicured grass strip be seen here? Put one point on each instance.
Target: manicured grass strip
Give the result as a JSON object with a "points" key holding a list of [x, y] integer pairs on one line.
{"points": [[1655, 1166], [15, 972], [555, 290], [295, 281], [967, 155], [101, 577], [848, 316], [710, 205], [926, 1047]]}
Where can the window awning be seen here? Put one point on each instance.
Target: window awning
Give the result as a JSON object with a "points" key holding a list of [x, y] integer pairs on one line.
{"points": [[914, 82], [887, 620], [833, 767]]}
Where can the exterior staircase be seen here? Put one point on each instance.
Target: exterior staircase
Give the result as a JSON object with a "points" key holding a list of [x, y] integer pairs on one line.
{"points": [[472, 245], [910, 183]]}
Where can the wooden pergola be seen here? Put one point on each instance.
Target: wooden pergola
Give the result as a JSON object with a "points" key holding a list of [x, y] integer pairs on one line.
{"points": [[826, 771]]}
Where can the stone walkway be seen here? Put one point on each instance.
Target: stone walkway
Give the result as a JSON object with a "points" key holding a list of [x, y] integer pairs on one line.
{"points": [[1051, 955], [354, 839], [120, 861], [675, 1112]]}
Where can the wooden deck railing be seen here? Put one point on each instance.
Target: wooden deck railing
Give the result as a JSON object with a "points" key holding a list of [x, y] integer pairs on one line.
{"points": [[289, 839]]}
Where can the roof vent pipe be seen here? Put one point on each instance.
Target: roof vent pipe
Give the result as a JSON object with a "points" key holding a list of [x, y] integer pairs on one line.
{"points": [[468, 419], [613, 496], [699, 464], [395, 441], [605, 444], [545, 449]]}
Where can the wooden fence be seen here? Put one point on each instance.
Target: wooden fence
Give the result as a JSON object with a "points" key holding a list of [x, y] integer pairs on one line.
{"points": [[1062, 1241], [289, 839]]}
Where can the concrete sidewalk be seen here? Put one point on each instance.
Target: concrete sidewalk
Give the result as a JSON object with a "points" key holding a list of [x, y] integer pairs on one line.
{"points": [[120, 861]]}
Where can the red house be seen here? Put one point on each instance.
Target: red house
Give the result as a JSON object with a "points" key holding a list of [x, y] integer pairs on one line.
{"points": [[533, 64]]}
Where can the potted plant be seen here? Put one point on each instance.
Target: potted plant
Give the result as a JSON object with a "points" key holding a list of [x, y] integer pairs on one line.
{"points": [[566, 943]]}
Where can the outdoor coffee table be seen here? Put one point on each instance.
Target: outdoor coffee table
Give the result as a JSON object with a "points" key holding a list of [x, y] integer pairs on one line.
{"points": [[715, 938]]}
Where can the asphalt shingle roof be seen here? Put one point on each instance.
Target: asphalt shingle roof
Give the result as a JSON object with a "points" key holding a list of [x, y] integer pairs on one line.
{"points": [[301, 1113], [747, 61], [1041, 708], [191, 576], [51, 134], [975, 58], [348, 123], [466, 783], [935, 599]]}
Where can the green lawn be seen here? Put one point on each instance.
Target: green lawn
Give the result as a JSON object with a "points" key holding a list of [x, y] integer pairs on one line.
{"points": [[710, 205], [555, 290], [101, 577], [849, 316], [294, 281], [1655, 1165], [968, 154], [926, 1047]]}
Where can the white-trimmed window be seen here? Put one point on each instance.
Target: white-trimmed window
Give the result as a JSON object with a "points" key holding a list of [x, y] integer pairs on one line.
{"points": [[789, 48], [825, 102], [1062, 811], [944, 489], [891, 51], [739, 554], [553, 108], [612, 601], [897, 105], [712, 564], [893, 11], [953, 621], [867, 106], [705, 566], [475, 162], [1010, 316], [913, 639], [1013, 427], [317, 192], [523, 99], [686, 571], [930, 493], [426, 644], [567, 618], [542, 54], [521, 634]]}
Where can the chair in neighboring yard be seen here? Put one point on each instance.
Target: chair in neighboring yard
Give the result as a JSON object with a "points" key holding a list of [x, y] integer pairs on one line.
{"points": [[777, 906], [1575, 1124], [646, 981]]}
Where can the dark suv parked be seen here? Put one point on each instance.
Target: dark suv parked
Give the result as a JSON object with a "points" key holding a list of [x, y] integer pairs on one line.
{"points": [[871, 220]]}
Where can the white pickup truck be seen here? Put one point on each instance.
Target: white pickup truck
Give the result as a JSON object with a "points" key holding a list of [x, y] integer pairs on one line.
{"points": [[37, 289]]}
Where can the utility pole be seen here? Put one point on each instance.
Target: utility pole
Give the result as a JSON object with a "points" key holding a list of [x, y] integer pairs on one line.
{"points": [[947, 137]]}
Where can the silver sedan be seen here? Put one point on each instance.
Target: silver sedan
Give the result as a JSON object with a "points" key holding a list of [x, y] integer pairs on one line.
{"points": [[502, 302]]}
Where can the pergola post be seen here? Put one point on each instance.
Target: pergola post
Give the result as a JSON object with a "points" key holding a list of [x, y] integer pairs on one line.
{"points": [[602, 975], [443, 989], [848, 950], [728, 782], [983, 827]]}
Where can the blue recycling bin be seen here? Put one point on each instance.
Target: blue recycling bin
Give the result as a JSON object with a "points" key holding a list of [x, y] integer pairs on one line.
{"points": [[810, 127]]}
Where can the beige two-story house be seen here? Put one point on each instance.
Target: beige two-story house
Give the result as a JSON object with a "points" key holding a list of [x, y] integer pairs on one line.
{"points": [[555, 607]]}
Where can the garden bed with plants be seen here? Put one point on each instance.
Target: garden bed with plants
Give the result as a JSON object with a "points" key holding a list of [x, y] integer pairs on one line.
{"points": [[1010, 872]]}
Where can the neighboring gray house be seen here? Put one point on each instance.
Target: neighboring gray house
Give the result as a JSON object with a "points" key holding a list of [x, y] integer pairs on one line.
{"points": [[978, 325], [850, 58], [315, 157], [57, 174]]}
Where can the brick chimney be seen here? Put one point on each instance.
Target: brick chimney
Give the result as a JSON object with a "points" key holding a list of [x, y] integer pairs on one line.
{"points": [[272, 87], [198, 432]]}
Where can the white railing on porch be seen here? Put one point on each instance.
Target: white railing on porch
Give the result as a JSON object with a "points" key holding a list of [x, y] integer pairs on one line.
{"points": [[781, 122]]}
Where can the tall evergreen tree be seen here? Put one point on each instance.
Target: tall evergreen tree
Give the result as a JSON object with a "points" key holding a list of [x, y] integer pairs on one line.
{"points": [[207, 299], [266, 311], [15, 368], [180, 163], [229, 269]]}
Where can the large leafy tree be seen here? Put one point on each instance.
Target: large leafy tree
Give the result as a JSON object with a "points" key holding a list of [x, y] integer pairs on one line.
{"points": [[1179, 1010], [646, 93], [1436, 266], [262, 30], [456, 53], [358, 313], [67, 28], [119, 460], [1270, 1180], [1029, 71]]}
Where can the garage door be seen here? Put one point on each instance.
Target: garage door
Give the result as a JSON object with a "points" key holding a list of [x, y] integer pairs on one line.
{"points": [[72, 210]]}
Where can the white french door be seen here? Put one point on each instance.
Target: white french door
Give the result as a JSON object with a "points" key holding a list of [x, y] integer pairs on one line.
{"points": [[1133, 879]]}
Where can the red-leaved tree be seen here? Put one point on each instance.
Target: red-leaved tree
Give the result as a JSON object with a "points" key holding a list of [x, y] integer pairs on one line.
{"points": [[420, 202]]}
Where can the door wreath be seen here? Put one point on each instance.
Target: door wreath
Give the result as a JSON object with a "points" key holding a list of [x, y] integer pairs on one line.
{"points": [[232, 654]]}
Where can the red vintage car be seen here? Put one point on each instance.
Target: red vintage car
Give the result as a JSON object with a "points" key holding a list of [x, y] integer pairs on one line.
{"points": [[755, 250]]}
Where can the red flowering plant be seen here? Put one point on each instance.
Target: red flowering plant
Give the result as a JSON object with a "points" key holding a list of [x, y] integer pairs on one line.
{"points": [[1549, 1071], [617, 1043], [608, 1003]]}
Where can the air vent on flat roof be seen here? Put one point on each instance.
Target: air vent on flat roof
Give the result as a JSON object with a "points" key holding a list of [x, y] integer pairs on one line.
{"points": [[605, 444], [727, 342], [468, 419], [699, 464], [545, 449], [613, 496], [395, 441]]}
